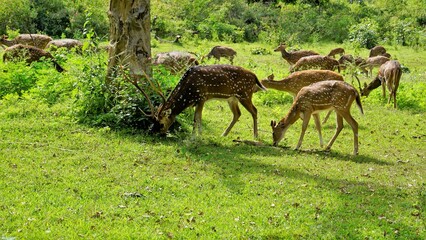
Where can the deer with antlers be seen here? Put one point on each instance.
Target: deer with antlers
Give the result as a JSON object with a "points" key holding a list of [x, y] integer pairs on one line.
{"points": [[202, 83], [320, 96]]}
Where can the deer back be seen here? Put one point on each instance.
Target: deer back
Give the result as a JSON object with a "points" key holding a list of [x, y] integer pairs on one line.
{"points": [[201, 83], [297, 80], [391, 71], [325, 95]]}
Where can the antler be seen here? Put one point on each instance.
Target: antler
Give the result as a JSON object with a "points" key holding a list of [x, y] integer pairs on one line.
{"points": [[134, 81]]}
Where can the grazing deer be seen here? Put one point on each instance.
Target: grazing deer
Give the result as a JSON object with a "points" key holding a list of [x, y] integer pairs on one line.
{"points": [[377, 50], [297, 80], [373, 62], [36, 40], [293, 56], [202, 83], [29, 54], [175, 61], [65, 43], [320, 96], [389, 75], [335, 51], [315, 62], [388, 55], [220, 51], [348, 60]]}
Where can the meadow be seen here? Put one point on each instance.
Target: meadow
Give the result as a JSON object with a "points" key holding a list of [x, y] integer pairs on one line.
{"points": [[60, 179]]}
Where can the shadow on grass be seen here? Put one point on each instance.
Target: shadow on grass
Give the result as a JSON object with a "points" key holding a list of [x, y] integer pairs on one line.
{"points": [[360, 201]]}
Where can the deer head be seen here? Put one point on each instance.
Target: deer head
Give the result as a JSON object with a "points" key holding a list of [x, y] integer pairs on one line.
{"points": [[281, 47]]}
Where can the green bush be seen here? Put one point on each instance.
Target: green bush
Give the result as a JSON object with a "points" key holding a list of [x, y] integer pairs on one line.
{"points": [[52, 16], [16, 78], [16, 14], [364, 34]]}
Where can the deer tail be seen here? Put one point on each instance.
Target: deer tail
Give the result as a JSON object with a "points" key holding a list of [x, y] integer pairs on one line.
{"points": [[260, 85]]}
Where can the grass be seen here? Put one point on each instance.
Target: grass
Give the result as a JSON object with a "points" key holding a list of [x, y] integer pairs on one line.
{"points": [[63, 180]]}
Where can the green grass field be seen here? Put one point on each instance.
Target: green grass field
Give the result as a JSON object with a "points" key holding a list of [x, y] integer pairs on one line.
{"points": [[64, 180]]}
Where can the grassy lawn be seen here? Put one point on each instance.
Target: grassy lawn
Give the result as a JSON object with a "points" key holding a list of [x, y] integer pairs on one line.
{"points": [[64, 180]]}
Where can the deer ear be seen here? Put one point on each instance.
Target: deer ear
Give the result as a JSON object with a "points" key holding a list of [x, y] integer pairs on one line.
{"points": [[271, 77], [365, 85], [273, 124]]}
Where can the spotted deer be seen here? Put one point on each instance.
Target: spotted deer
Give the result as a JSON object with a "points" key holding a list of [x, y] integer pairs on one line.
{"points": [[65, 43], [376, 51], [36, 40], [320, 96], [29, 54], [200, 84], [221, 51], [389, 74], [316, 62], [373, 62], [175, 62], [293, 56], [335, 51], [297, 80]]}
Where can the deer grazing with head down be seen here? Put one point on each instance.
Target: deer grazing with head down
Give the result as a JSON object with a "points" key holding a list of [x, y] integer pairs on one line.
{"points": [[202, 83], [389, 74], [36, 40], [29, 54], [297, 80], [320, 96], [376, 51], [221, 51], [175, 61], [293, 56], [373, 62], [335, 51]]}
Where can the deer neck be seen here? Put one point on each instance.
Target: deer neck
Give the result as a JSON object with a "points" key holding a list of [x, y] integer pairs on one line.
{"points": [[284, 53], [293, 115], [283, 85], [178, 103]]}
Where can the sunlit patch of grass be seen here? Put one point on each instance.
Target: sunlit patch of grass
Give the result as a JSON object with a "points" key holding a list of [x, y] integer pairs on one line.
{"points": [[60, 179]]}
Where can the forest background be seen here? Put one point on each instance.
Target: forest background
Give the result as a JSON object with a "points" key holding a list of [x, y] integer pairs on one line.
{"points": [[365, 23]]}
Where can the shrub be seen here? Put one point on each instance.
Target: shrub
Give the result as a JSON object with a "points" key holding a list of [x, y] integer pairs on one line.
{"points": [[364, 34], [52, 16]]}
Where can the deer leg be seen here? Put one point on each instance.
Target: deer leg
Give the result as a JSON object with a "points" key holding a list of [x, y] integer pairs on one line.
{"points": [[354, 126], [247, 104], [197, 119], [339, 127], [233, 105], [306, 118], [383, 87], [327, 116], [318, 126]]}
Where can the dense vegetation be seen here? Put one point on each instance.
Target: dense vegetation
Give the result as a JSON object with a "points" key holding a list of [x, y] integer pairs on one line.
{"points": [[296, 21], [77, 161]]}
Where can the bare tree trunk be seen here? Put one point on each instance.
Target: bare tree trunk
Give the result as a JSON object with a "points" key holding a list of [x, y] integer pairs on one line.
{"points": [[130, 41]]}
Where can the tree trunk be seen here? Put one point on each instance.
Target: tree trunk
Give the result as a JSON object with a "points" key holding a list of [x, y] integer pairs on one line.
{"points": [[130, 41]]}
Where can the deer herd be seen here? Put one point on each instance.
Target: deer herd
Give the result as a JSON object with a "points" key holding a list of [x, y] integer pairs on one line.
{"points": [[313, 83]]}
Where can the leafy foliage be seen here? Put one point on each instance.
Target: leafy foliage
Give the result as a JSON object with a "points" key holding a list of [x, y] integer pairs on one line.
{"points": [[364, 34]]}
